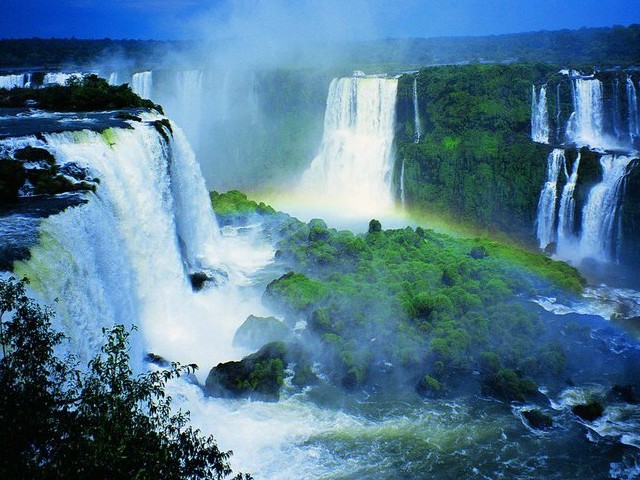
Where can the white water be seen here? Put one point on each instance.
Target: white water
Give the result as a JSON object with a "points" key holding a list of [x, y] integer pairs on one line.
{"points": [[12, 81], [124, 257], [632, 104], [566, 213], [585, 126], [114, 79], [416, 112], [59, 78], [599, 217], [353, 170], [142, 84], [546, 219], [539, 115]]}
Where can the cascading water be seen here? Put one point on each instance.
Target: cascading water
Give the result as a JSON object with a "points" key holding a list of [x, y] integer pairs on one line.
{"points": [[632, 104], [546, 219], [60, 78], [586, 126], [355, 164], [539, 115], [416, 112], [124, 257], [12, 81], [142, 84], [114, 79], [600, 228], [566, 213]]}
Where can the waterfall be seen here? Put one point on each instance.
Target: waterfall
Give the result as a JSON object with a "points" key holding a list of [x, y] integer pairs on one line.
{"points": [[12, 81], [539, 115], [142, 84], [125, 255], [113, 79], [546, 219], [585, 126], [600, 228], [354, 166], [402, 195], [615, 88], [558, 129], [60, 78], [416, 114], [566, 213], [632, 102]]}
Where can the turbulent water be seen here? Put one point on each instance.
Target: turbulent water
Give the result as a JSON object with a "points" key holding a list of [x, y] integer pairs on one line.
{"points": [[566, 213], [354, 166]]}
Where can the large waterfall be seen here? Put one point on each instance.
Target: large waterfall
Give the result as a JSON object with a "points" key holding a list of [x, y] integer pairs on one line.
{"points": [[539, 115], [12, 81], [354, 167], [546, 222], [600, 233], [125, 256], [586, 124]]}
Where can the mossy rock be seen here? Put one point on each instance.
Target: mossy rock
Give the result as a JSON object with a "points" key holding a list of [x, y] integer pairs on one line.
{"points": [[538, 420], [258, 376], [589, 411], [257, 331], [430, 387]]}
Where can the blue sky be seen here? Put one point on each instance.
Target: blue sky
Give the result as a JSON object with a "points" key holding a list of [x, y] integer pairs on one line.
{"points": [[175, 19]]}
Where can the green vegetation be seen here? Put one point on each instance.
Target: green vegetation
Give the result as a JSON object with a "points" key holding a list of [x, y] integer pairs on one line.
{"points": [[89, 93], [417, 305], [475, 162], [59, 421], [234, 207], [259, 375]]}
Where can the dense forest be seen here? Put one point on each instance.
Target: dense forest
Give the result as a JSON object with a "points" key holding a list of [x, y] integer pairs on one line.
{"points": [[616, 45]]}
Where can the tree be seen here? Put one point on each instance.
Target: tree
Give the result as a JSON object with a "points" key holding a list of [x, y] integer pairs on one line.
{"points": [[57, 421]]}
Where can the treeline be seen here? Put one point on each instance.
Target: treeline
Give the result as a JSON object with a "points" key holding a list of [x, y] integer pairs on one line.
{"points": [[60, 52], [616, 45]]}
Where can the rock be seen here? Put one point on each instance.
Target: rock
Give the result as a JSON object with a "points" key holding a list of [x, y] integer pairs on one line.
{"points": [[258, 376], [258, 331], [624, 393], [156, 360], [551, 249], [538, 420], [34, 154], [210, 277], [589, 411], [128, 116], [12, 177]]}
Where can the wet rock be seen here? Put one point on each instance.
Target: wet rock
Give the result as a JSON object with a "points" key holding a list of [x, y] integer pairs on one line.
{"points": [[589, 411], [624, 393], [258, 331], [210, 277], [538, 420], [34, 154]]}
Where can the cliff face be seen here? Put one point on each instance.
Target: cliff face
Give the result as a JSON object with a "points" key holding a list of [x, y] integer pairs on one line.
{"points": [[469, 154]]}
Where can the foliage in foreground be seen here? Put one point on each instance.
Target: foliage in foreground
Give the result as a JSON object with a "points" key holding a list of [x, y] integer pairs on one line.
{"points": [[58, 421]]}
